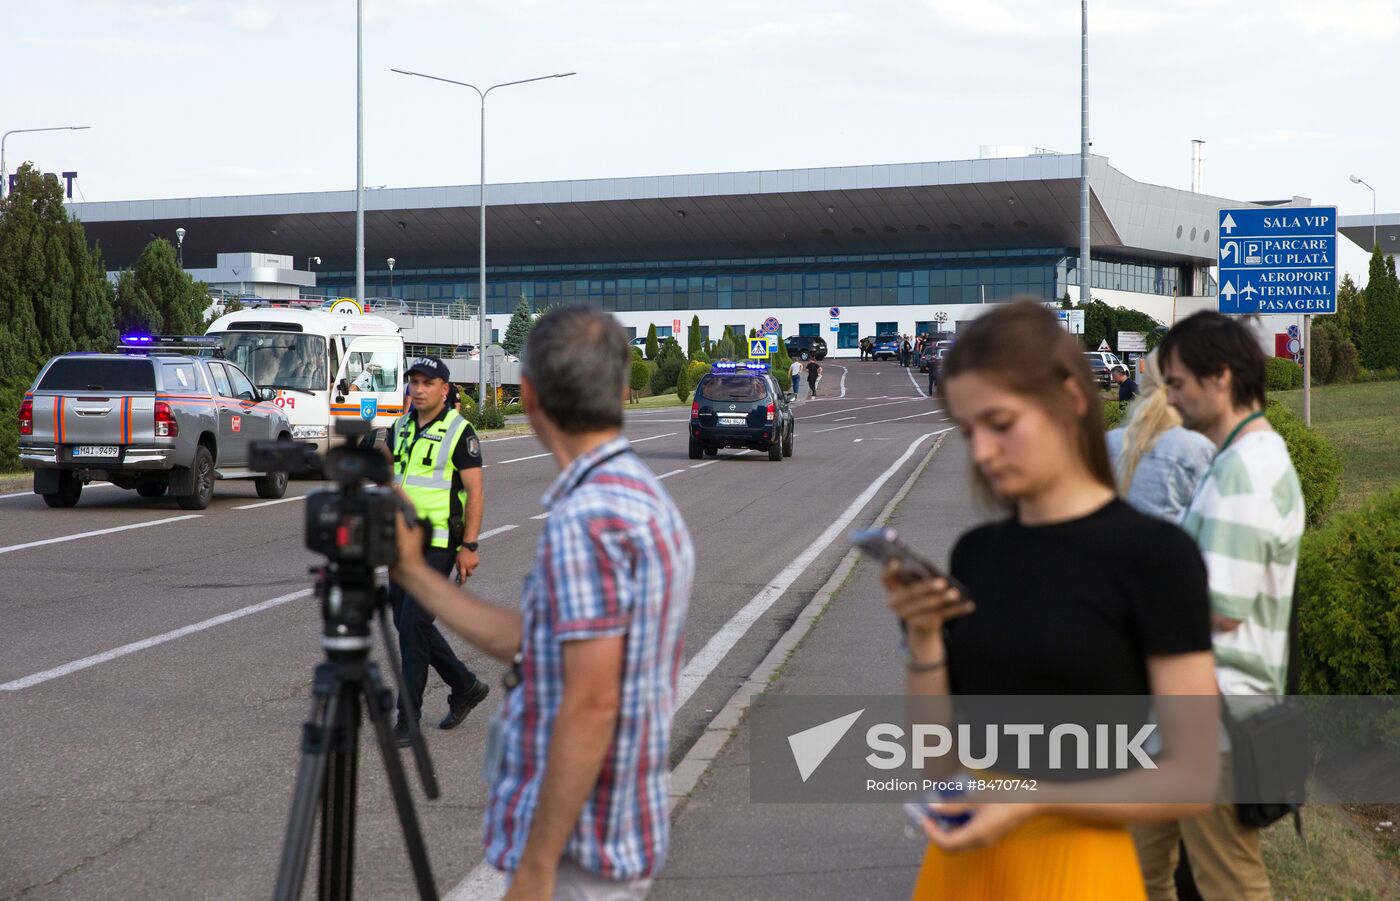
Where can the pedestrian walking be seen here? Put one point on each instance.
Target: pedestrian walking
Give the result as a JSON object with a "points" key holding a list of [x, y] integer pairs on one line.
{"points": [[1247, 516], [577, 754], [437, 464], [1020, 388], [1157, 463], [814, 373], [795, 372]]}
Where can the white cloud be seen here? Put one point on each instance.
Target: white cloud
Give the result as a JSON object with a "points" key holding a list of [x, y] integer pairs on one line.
{"points": [[251, 18], [112, 46]]}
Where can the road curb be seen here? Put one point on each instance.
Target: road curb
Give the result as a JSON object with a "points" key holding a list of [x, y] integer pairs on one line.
{"points": [[686, 775]]}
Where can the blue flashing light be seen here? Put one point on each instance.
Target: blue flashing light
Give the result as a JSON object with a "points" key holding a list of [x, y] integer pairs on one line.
{"points": [[135, 340], [731, 366]]}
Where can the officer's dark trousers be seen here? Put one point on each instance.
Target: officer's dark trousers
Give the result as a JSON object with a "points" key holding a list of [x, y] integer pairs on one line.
{"points": [[421, 645]]}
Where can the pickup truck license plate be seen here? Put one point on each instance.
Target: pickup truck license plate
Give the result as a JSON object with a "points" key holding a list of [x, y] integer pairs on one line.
{"points": [[725, 420], [96, 450]]}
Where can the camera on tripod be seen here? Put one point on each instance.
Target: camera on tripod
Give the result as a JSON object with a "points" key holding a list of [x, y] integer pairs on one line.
{"points": [[352, 524]]}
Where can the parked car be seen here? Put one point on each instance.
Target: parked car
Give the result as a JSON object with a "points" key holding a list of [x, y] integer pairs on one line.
{"points": [[1103, 363], [806, 347], [741, 405], [886, 347], [156, 422]]}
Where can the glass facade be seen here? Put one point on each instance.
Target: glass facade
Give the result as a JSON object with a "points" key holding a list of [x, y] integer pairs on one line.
{"points": [[772, 283]]}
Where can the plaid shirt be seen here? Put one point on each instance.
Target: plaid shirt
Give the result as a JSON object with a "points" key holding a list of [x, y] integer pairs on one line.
{"points": [[614, 559]]}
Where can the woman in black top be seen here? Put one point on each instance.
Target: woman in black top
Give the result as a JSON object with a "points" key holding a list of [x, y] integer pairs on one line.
{"points": [[1074, 593]]}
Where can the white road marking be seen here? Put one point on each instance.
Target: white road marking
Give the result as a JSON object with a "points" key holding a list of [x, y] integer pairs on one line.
{"points": [[698, 668], [285, 500], [843, 381], [674, 472], [856, 425], [76, 665], [910, 373], [61, 539], [544, 515], [485, 882], [143, 644], [843, 419], [32, 494], [907, 400], [706, 463], [520, 459]]}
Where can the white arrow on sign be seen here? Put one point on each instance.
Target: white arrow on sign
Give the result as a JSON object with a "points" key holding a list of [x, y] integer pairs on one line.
{"points": [[1228, 292], [1230, 249], [1228, 225]]}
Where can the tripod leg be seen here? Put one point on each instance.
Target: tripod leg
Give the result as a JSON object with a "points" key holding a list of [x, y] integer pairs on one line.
{"points": [[378, 701], [338, 799], [420, 747], [296, 847]]}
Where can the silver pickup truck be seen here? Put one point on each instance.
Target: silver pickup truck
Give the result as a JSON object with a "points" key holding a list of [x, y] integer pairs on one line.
{"points": [[158, 423]]}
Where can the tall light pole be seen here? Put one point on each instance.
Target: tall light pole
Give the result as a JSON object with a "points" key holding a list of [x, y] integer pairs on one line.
{"points": [[180, 247], [1085, 264], [391, 276], [5, 172], [360, 153], [482, 337], [1356, 180]]}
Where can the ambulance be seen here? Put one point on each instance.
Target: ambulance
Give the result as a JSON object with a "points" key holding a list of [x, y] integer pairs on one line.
{"points": [[324, 365]]}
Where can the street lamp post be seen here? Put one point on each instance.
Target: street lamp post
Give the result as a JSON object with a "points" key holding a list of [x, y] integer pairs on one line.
{"points": [[1360, 181], [180, 247], [482, 337], [391, 276], [4, 171], [312, 261]]}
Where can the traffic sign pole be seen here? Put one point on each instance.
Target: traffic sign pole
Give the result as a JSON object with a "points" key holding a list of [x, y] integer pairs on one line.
{"points": [[1307, 371]]}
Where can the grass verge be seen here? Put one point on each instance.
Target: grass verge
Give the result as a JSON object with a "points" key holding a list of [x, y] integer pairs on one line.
{"points": [[668, 399], [1339, 860], [1363, 422]]}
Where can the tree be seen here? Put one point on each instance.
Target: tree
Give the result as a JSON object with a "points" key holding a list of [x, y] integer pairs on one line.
{"points": [[157, 296], [521, 321], [1351, 315], [1380, 343], [54, 293], [780, 363], [640, 377], [693, 344], [652, 347], [669, 361]]}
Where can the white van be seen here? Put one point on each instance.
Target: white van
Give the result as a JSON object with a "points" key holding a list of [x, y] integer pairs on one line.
{"points": [[324, 366]]}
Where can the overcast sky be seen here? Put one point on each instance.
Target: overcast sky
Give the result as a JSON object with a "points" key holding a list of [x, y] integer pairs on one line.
{"points": [[212, 97]]}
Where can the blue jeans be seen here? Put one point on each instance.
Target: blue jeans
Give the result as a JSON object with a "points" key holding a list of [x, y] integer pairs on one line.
{"points": [[796, 384]]}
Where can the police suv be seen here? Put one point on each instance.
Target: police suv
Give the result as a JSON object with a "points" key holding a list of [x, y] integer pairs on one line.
{"points": [[158, 422], [741, 405]]}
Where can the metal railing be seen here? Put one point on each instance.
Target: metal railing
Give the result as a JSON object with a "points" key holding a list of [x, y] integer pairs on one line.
{"points": [[458, 310]]}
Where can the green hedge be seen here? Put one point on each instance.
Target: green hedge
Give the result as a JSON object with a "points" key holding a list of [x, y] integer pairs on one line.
{"points": [[1316, 460], [1349, 601], [1282, 375], [1113, 411]]}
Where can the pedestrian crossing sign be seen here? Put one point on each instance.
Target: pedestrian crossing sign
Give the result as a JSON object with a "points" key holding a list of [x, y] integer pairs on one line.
{"points": [[758, 348]]}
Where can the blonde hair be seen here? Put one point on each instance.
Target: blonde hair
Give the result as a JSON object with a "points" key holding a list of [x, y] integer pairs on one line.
{"points": [[1149, 417]]}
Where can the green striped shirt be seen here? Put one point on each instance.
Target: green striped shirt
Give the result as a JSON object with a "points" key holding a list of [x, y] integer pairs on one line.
{"points": [[1247, 518]]}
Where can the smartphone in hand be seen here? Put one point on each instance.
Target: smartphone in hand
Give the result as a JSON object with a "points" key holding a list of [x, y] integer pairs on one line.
{"points": [[884, 545]]}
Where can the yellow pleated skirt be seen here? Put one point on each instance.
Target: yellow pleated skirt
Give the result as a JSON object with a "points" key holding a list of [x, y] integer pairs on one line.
{"points": [[1044, 859]]}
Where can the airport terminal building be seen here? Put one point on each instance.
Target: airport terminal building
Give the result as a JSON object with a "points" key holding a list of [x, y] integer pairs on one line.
{"points": [[901, 248]]}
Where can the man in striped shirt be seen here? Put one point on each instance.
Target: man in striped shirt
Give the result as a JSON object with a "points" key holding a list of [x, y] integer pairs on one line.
{"points": [[578, 754], [1247, 517]]}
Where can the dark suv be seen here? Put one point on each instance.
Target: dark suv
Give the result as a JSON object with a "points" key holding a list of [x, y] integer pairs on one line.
{"points": [[741, 405], [806, 347]]}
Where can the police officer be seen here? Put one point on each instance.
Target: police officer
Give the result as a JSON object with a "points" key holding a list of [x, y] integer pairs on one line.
{"points": [[437, 463]]}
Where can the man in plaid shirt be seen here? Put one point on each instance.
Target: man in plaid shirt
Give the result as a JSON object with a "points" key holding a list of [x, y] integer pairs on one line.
{"points": [[577, 758]]}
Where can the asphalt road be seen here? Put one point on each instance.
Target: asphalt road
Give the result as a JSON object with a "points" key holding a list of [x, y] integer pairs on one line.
{"points": [[155, 665]]}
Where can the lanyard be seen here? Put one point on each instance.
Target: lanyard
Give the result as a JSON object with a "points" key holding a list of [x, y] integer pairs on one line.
{"points": [[511, 677], [1234, 433]]}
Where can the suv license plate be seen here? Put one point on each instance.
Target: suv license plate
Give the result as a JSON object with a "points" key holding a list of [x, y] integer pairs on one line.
{"points": [[725, 420], [96, 450]]}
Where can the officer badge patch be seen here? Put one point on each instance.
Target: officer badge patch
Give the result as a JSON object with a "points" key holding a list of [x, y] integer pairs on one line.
{"points": [[474, 446]]}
